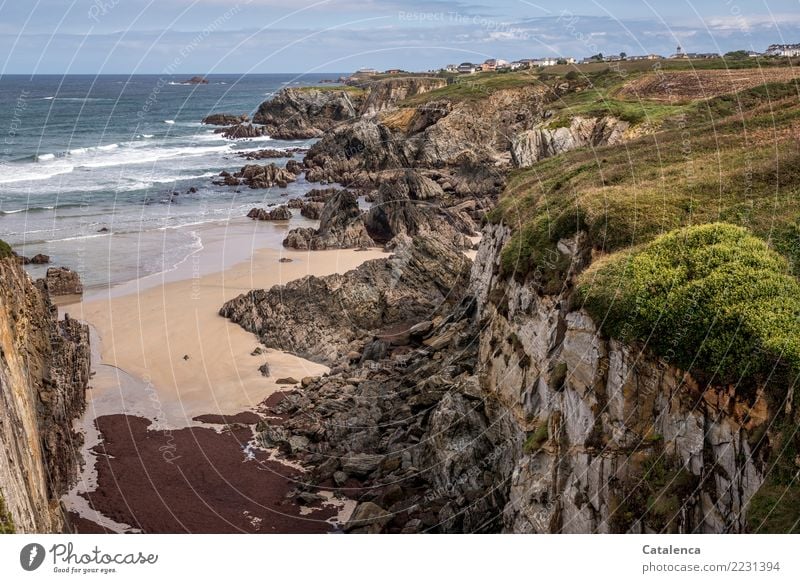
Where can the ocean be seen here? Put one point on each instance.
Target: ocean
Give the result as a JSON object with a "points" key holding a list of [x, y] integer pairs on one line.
{"points": [[81, 154]]}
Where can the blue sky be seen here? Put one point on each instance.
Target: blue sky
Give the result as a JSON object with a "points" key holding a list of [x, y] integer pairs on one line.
{"points": [[274, 36]]}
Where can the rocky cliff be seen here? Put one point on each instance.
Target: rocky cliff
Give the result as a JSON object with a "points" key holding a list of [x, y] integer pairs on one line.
{"points": [[533, 145], [307, 112], [387, 93], [44, 371], [516, 413]]}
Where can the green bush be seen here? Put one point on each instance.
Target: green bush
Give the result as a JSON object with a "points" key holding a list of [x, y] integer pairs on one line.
{"points": [[5, 250], [536, 439], [712, 299]]}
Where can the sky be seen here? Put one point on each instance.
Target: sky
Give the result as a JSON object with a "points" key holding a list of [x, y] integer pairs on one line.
{"points": [[298, 36]]}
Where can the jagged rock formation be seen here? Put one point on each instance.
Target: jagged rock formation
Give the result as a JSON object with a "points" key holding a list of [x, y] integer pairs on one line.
{"points": [[242, 131], [341, 226], [61, 281], [530, 146], [406, 206], [417, 283], [280, 213], [268, 153], [44, 371], [306, 113], [257, 176]]}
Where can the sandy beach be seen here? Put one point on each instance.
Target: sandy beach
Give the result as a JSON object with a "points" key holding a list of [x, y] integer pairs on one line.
{"points": [[165, 333]]}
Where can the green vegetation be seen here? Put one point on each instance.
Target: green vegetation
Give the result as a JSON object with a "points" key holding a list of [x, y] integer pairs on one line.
{"points": [[352, 89], [655, 498], [775, 508], [475, 87], [712, 297], [5, 250], [536, 438], [667, 483], [6, 520], [705, 166]]}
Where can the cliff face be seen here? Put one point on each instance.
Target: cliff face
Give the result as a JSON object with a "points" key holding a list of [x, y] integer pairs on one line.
{"points": [[530, 146], [616, 439], [386, 93], [44, 371]]}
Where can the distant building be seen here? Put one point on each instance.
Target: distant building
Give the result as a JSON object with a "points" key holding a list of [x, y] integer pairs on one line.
{"points": [[467, 68], [783, 50], [516, 65], [366, 72], [394, 71], [493, 64], [545, 62], [694, 56], [650, 57], [451, 68]]}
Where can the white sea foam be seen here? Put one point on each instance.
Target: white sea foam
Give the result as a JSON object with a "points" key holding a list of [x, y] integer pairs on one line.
{"points": [[33, 172], [169, 121], [131, 156]]}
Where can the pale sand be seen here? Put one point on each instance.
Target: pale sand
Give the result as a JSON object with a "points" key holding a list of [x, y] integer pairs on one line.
{"points": [[147, 333]]}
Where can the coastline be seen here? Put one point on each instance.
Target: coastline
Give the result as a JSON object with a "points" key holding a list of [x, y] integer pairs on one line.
{"points": [[143, 330]]}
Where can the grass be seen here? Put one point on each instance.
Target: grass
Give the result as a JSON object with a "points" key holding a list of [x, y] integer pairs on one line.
{"points": [[5, 250], [6, 520], [713, 298], [353, 90], [536, 438], [475, 87]]}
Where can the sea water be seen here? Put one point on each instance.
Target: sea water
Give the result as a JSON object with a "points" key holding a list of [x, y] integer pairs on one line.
{"points": [[89, 166]]}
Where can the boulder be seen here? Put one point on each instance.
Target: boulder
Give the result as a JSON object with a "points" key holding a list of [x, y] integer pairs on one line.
{"points": [[242, 131], [361, 464], [280, 213], [341, 226], [40, 259], [61, 281], [257, 176], [266, 153], [367, 518], [312, 210]]}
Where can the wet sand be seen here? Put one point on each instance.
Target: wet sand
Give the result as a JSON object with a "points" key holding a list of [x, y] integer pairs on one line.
{"points": [[196, 480]]}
